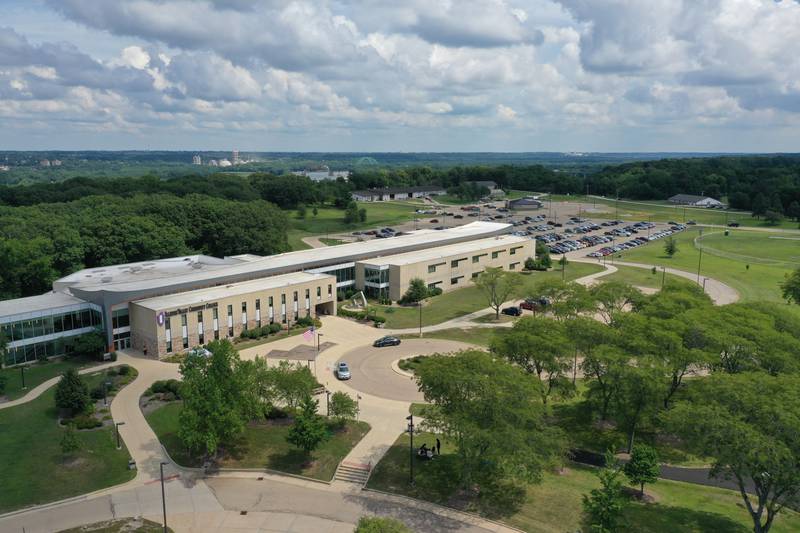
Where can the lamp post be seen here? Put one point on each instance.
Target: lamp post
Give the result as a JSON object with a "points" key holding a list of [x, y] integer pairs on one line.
{"points": [[419, 305], [163, 496], [328, 402], [22, 375], [704, 284], [663, 276], [106, 385], [410, 419], [117, 425], [699, 261]]}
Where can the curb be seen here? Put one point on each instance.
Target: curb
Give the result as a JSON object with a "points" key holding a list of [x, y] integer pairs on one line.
{"points": [[399, 371], [471, 518]]}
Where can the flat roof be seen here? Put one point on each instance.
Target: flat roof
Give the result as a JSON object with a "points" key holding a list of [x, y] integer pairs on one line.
{"points": [[43, 302], [182, 272], [213, 294], [431, 254]]}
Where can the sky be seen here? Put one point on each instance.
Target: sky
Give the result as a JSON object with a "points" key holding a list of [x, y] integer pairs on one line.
{"points": [[410, 75]]}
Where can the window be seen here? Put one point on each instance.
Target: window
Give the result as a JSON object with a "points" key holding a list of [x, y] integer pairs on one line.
{"points": [[258, 304], [434, 284], [308, 294], [230, 320], [513, 251], [477, 258], [431, 269], [476, 274], [183, 320], [215, 314], [497, 253], [270, 301], [513, 266], [454, 281], [454, 263], [330, 289], [230, 310], [294, 296], [283, 298], [168, 332], [319, 292]]}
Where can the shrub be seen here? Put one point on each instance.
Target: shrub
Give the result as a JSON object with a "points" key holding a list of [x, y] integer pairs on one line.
{"points": [[167, 386], [86, 422], [435, 291], [274, 327], [3, 381], [375, 524], [97, 392], [113, 356], [168, 397], [124, 370], [72, 394], [305, 321], [379, 319]]}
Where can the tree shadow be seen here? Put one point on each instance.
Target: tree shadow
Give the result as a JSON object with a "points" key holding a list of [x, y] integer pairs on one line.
{"points": [[656, 517]]}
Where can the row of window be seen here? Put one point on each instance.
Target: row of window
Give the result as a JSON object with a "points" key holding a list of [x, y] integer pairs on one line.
{"points": [[454, 263], [39, 351], [47, 325]]}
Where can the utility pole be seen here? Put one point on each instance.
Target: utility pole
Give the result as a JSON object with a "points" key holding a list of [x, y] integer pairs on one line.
{"points": [[699, 260], [419, 304], [663, 276], [163, 496], [410, 419]]}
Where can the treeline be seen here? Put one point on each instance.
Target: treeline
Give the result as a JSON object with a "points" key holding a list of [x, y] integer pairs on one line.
{"points": [[42, 242], [743, 180]]}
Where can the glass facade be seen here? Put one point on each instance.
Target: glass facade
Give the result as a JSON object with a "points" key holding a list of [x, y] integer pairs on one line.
{"points": [[63, 324], [376, 276]]}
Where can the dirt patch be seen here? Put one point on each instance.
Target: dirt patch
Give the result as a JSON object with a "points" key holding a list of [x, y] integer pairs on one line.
{"points": [[74, 463]]}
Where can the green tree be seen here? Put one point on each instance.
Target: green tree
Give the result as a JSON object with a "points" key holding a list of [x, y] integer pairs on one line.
{"points": [[3, 354], [308, 430], [497, 285], [90, 345], [343, 407], [543, 255], [772, 217], [567, 299], [638, 398], [351, 215], [315, 211], [790, 287], [301, 211], [794, 210], [642, 467], [72, 393], [614, 297], [417, 290], [376, 524], [493, 415], [539, 346], [70, 443], [670, 246], [292, 382], [3, 382], [748, 424], [362, 215], [759, 205], [216, 404], [605, 505], [604, 368]]}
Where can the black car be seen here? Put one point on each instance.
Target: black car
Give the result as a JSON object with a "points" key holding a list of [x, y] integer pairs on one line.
{"points": [[386, 341], [512, 311], [733, 224]]}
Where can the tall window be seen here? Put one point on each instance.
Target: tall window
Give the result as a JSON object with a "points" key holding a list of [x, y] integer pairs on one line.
{"points": [[215, 317], [230, 320], [319, 292], [330, 289], [201, 338], [184, 331], [168, 332]]}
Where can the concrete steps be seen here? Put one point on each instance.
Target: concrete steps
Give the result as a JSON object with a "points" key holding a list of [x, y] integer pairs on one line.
{"points": [[352, 473]]}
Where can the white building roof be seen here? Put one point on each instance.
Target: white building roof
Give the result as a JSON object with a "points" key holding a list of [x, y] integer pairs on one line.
{"points": [[43, 302], [212, 294], [181, 272], [441, 252]]}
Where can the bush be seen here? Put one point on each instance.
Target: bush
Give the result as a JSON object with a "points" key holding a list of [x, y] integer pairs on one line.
{"points": [[375, 524], [124, 370], [379, 319], [97, 393], [72, 393], [274, 327], [113, 356], [435, 291], [86, 422], [305, 321]]}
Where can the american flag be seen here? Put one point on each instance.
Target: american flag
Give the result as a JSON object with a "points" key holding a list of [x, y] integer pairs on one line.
{"points": [[309, 334]]}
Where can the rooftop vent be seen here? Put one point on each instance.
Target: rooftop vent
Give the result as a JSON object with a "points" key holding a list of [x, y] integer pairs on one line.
{"points": [[106, 279]]}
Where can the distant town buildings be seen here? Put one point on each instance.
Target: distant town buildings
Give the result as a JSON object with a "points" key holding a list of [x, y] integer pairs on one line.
{"points": [[224, 163], [529, 202], [235, 157], [696, 201], [197, 160], [4, 168], [44, 163], [213, 163], [323, 173]]}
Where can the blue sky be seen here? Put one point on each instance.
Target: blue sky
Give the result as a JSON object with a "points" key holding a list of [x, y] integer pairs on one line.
{"points": [[418, 75]]}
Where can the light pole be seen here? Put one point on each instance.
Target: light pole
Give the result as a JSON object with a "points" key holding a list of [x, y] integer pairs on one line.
{"points": [[663, 276], [704, 284], [163, 496], [106, 385], [699, 260], [419, 304], [328, 402], [410, 419], [22, 375], [117, 425]]}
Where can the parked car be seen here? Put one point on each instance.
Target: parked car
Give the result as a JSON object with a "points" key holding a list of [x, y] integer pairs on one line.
{"points": [[733, 224], [386, 341], [512, 311], [434, 221], [342, 371]]}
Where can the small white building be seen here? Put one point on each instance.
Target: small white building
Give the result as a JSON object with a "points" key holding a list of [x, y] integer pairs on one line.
{"points": [[403, 193]]}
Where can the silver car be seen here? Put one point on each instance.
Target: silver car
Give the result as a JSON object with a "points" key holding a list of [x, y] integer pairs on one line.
{"points": [[342, 371]]}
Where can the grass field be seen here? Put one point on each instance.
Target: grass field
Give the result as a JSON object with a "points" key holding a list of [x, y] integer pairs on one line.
{"points": [[477, 336], [757, 283], [643, 277], [38, 373], [263, 445], [331, 242], [330, 220], [554, 505], [660, 212], [32, 468], [459, 302]]}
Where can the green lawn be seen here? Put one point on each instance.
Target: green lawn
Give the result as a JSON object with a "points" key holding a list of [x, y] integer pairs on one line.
{"points": [[331, 220], [644, 277], [38, 373], [554, 505], [331, 242], [32, 467], [459, 302], [478, 336], [759, 282], [263, 445]]}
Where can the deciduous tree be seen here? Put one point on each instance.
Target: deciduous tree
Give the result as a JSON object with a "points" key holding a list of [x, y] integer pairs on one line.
{"points": [[72, 393], [497, 286], [642, 467], [308, 430]]}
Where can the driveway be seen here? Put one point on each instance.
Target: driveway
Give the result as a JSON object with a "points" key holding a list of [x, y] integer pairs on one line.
{"points": [[372, 373]]}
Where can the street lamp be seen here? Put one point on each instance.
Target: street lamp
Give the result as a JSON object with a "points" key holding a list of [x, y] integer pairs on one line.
{"points": [[663, 276], [117, 425], [106, 385], [410, 419], [699, 261], [163, 497], [419, 304], [22, 375], [704, 284], [328, 402]]}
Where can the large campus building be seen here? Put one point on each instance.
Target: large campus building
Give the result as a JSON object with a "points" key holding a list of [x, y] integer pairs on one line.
{"points": [[170, 305]]}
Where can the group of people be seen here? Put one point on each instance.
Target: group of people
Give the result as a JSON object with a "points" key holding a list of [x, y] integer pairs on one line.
{"points": [[428, 453]]}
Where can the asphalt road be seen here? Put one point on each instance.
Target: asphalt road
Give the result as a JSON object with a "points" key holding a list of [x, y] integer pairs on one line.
{"points": [[372, 372]]}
